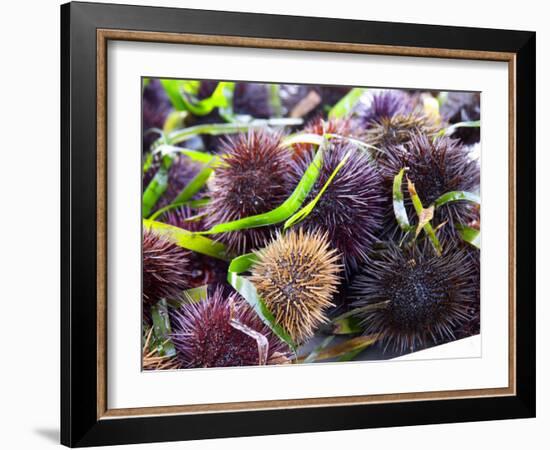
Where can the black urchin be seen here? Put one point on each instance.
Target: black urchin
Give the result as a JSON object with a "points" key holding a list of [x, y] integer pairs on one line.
{"points": [[224, 332], [165, 268], [253, 179], [435, 167], [351, 208], [413, 298], [297, 275]]}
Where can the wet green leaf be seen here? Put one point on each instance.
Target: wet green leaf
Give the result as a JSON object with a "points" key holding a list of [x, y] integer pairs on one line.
{"points": [[419, 208], [195, 185], [248, 291], [156, 187], [457, 196], [344, 348], [188, 240], [199, 203], [221, 98], [346, 104], [347, 325], [161, 329], [470, 235], [195, 295], [306, 210], [399, 204], [313, 355], [282, 212], [215, 129], [451, 129]]}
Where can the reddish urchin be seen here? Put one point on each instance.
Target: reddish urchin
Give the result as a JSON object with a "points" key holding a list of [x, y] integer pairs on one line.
{"points": [[165, 268], [319, 126], [435, 167], [388, 132], [383, 105], [253, 179], [224, 332], [412, 297], [351, 208], [297, 275]]}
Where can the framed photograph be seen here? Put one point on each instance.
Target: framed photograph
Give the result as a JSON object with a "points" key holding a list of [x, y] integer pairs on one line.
{"points": [[277, 224]]}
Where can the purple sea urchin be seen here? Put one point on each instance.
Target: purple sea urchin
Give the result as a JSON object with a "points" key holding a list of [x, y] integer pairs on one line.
{"points": [[297, 275], [435, 167], [412, 297], [351, 208], [383, 105], [165, 268], [253, 179], [224, 332]]}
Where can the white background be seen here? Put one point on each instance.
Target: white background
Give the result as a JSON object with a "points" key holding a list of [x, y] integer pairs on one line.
{"points": [[130, 388], [29, 387]]}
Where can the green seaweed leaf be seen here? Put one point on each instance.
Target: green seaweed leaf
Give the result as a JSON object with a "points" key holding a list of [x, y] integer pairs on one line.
{"points": [[456, 196], [452, 128], [346, 104], [399, 204], [161, 329], [215, 129], [189, 240], [470, 235], [282, 212], [426, 225], [306, 210]]}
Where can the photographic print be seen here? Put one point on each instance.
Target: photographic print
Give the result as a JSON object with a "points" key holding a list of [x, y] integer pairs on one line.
{"points": [[301, 224]]}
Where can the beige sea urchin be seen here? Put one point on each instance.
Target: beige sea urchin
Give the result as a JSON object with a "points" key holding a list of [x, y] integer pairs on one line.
{"points": [[297, 275]]}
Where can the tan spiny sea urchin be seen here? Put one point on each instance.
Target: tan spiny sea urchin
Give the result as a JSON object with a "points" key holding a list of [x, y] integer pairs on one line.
{"points": [[297, 275]]}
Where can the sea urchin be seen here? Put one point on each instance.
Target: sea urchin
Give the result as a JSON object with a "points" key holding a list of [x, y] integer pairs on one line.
{"points": [[224, 332], [412, 297], [383, 105], [253, 179], [351, 208], [165, 268], [435, 167], [297, 275]]}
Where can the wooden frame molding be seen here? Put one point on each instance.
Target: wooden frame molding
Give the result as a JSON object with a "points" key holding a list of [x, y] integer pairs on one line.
{"points": [[105, 35]]}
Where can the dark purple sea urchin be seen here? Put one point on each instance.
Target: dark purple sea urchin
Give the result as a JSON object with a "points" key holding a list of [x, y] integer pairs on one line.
{"points": [[435, 167], [253, 179], [383, 105], [351, 208], [224, 332], [165, 268], [297, 275], [414, 297]]}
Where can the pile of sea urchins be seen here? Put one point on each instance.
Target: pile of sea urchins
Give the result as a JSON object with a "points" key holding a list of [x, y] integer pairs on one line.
{"points": [[350, 257]]}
